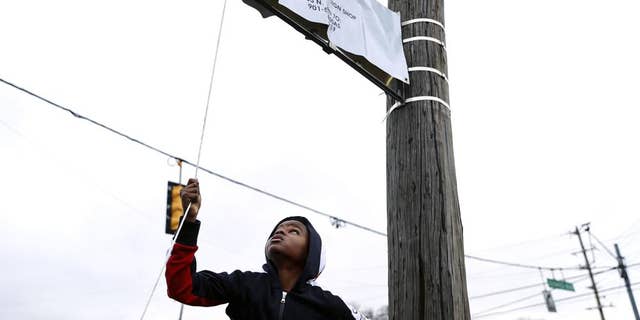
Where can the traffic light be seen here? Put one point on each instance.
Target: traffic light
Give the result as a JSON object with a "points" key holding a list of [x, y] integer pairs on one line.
{"points": [[548, 299], [174, 207]]}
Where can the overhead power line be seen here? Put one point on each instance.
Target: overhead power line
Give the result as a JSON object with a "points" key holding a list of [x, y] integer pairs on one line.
{"points": [[528, 266], [250, 187], [575, 278], [537, 294], [628, 232], [490, 294], [542, 304], [221, 176], [603, 246], [525, 242]]}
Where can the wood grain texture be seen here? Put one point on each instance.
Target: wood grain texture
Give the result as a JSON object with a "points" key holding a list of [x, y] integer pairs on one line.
{"points": [[426, 255]]}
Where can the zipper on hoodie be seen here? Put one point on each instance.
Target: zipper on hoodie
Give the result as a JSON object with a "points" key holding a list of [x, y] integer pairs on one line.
{"points": [[282, 301]]}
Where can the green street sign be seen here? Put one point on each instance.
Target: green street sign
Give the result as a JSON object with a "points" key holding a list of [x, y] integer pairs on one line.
{"points": [[559, 284]]}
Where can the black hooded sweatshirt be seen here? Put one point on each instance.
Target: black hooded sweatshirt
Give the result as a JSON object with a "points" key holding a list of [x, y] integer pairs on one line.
{"points": [[253, 295]]}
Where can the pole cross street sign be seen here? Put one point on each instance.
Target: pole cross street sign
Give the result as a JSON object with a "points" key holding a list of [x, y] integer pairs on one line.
{"points": [[317, 32], [560, 284]]}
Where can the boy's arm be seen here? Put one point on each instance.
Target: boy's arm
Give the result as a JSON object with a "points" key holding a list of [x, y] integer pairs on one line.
{"points": [[203, 288]]}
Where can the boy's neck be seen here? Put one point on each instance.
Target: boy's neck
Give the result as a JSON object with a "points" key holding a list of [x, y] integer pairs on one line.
{"points": [[288, 274]]}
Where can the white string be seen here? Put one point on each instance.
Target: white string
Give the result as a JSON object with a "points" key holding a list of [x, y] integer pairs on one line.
{"points": [[204, 124], [164, 265], [213, 72]]}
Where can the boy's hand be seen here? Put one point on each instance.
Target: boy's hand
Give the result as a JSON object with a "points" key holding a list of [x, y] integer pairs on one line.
{"points": [[191, 193]]}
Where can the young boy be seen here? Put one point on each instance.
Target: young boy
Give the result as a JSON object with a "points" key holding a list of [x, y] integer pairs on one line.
{"points": [[285, 290]]}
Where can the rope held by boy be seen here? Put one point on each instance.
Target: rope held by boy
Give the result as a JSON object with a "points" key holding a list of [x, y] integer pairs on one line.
{"points": [[204, 125]]}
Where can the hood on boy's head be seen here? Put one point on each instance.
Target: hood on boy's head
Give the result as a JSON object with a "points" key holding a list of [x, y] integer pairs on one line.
{"points": [[315, 255]]}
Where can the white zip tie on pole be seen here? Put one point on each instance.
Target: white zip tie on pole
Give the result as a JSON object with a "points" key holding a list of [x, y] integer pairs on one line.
{"points": [[420, 68], [427, 20], [429, 69], [414, 99], [204, 124], [425, 38]]}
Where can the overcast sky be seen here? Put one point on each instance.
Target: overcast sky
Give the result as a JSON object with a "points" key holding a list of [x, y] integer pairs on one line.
{"points": [[544, 111]]}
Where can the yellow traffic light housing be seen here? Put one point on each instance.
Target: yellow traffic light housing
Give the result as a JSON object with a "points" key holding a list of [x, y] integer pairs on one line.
{"points": [[174, 207]]}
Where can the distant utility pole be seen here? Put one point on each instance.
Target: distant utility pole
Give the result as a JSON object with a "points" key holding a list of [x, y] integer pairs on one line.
{"points": [[588, 265], [625, 276], [427, 277]]}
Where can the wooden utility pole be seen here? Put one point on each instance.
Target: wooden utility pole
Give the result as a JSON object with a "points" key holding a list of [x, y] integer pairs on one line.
{"points": [[588, 266], [426, 256], [623, 274]]}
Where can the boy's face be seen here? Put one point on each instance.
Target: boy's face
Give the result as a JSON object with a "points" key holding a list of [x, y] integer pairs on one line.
{"points": [[290, 241]]}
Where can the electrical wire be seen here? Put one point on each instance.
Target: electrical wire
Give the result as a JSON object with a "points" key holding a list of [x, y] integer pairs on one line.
{"points": [[628, 232], [556, 300], [629, 239], [499, 272], [520, 265], [62, 164], [247, 186], [234, 181], [266, 193], [211, 172], [552, 237], [632, 265], [490, 294], [575, 278], [593, 253], [250, 187], [603, 246], [507, 304], [555, 253], [258, 190]]}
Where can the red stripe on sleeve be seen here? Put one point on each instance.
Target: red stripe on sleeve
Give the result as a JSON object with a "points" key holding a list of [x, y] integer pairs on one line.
{"points": [[179, 278]]}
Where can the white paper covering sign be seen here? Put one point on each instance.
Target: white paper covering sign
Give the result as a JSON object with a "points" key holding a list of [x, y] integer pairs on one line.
{"points": [[312, 10], [362, 27]]}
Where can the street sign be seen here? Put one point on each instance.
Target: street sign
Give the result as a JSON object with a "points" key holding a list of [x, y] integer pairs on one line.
{"points": [[363, 27], [560, 284], [317, 32]]}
